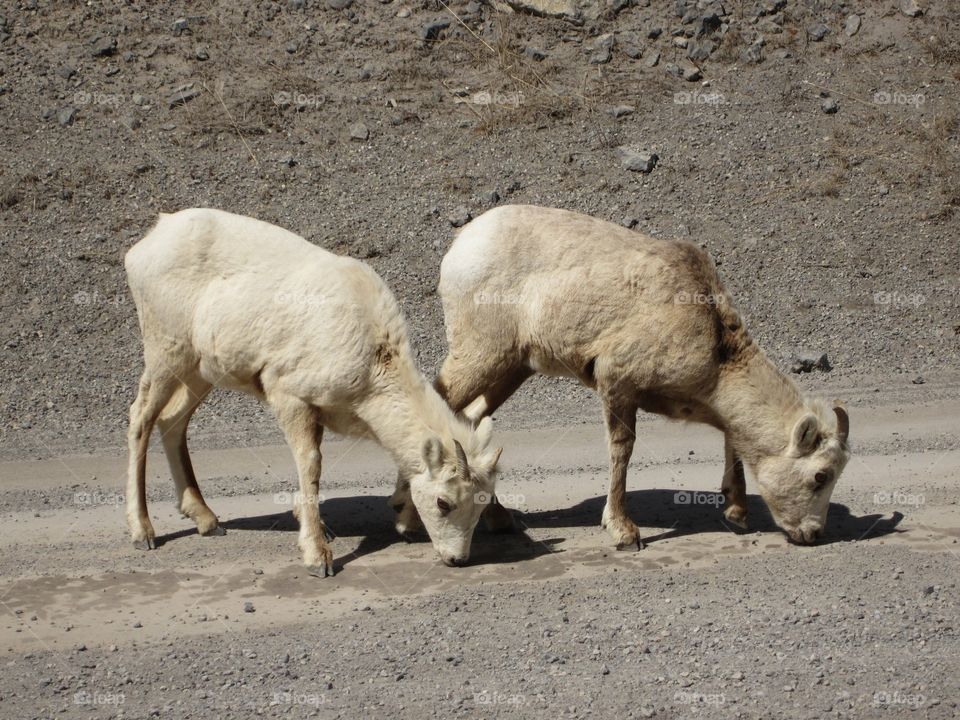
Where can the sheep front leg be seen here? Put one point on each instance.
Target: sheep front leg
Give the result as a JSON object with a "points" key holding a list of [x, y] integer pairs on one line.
{"points": [[734, 486], [621, 422], [304, 433]]}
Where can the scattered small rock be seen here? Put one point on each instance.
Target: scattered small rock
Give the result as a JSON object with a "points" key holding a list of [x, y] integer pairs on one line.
{"points": [[829, 106], [691, 73], [910, 8], [104, 46], [652, 58], [180, 26], [809, 361], [181, 96], [918, 380], [66, 116], [629, 222], [622, 110], [138, 624], [852, 26], [66, 72], [460, 216], [248, 607], [339, 4], [817, 32], [359, 131], [636, 161], [433, 29], [201, 53]]}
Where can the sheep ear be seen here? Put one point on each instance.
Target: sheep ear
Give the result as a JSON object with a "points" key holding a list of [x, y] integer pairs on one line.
{"points": [[805, 434], [433, 454], [484, 432]]}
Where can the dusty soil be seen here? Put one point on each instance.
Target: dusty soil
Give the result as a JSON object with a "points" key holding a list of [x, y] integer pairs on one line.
{"points": [[704, 622], [836, 232]]}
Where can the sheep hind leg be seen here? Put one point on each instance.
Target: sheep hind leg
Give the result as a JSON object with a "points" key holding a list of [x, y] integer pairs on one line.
{"points": [[154, 392], [621, 421], [734, 487], [172, 425]]}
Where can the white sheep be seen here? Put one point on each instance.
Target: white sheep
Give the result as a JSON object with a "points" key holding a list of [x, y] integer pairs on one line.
{"points": [[233, 302], [648, 324]]}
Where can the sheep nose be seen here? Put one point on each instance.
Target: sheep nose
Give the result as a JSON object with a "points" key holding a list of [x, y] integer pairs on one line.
{"points": [[451, 561]]}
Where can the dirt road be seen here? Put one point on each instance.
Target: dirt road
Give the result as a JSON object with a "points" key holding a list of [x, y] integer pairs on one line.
{"points": [[71, 580]]}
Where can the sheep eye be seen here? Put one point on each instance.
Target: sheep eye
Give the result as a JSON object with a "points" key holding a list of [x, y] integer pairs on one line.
{"points": [[822, 479], [444, 506]]}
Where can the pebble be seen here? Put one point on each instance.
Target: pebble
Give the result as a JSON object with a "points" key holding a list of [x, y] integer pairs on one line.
{"points": [[248, 607], [636, 161], [104, 46], [359, 131], [180, 26], [182, 96], [339, 4], [433, 29], [622, 110], [460, 216], [817, 32], [910, 8], [829, 106], [66, 116], [808, 361], [651, 59], [852, 26]]}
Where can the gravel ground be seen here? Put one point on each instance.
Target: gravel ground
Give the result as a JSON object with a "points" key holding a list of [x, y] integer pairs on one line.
{"points": [[789, 636]]}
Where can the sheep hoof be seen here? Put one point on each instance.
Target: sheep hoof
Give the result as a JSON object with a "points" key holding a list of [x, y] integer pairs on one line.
{"points": [[320, 570], [632, 545], [145, 544], [215, 531], [736, 516]]}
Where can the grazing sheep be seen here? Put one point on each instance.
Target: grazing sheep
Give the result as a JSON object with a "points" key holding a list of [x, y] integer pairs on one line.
{"points": [[648, 325], [233, 302]]}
